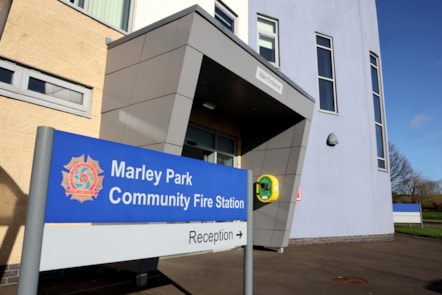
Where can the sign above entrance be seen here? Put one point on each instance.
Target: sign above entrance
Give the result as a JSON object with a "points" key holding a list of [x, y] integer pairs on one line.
{"points": [[269, 80], [94, 180]]}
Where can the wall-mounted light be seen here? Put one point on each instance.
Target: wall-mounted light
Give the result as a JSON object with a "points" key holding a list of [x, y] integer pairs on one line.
{"points": [[332, 139], [209, 105]]}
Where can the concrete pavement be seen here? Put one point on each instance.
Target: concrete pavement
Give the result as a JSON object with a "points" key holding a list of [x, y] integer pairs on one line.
{"points": [[406, 265]]}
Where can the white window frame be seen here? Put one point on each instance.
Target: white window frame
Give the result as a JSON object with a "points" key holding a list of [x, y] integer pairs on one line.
{"points": [[380, 124], [271, 35], [84, 10], [229, 13], [18, 89], [333, 79]]}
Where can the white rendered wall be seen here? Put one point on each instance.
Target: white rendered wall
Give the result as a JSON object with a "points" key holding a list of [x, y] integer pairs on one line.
{"points": [[148, 12], [343, 192]]}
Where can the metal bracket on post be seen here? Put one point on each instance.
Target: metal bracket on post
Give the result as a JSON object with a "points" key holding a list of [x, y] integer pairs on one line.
{"points": [[144, 266]]}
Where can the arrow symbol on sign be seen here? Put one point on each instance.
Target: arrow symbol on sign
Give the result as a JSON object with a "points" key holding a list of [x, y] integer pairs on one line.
{"points": [[239, 234]]}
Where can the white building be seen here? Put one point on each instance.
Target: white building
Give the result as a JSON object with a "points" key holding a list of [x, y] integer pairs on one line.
{"points": [[345, 189]]}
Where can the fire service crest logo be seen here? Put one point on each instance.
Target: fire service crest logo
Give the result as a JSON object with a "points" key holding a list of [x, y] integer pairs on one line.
{"points": [[82, 180]]}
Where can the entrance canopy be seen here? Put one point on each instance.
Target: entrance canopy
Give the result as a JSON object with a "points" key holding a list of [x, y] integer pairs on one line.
{"points": [[190, 54], [188, 69], [257, 114]]}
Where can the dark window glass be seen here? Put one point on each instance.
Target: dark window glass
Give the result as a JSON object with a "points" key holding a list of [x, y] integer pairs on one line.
{"points": [[37, 85], [200, 144], [267, 53], [79, 3], [380, 141], [374, 80], [373, 60], [323, 41], [125, 18], [224, 19], [195, 153], [225, 144], [326, 94], [381, 163], [6, 75], [377, 108], [325, 63], [200, 137]]}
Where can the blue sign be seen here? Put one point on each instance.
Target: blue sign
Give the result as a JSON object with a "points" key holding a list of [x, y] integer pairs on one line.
{"points": [[406, 207], [93, 180]]}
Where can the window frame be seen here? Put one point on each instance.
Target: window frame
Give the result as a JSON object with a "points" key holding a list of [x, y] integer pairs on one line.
{"points": [[333, 73], [18, 89], [213, 157], [274, 36], [82, 6], [228, 13], [378, 104]]}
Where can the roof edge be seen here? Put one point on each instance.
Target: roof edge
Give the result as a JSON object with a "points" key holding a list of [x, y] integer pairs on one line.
{"points": [[203, 13]]}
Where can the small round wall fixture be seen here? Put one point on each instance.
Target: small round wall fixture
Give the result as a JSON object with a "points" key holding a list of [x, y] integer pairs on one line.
{"points": [[332, 139]]}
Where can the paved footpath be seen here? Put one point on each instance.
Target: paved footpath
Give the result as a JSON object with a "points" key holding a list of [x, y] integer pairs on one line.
{"points": [[406, 265]]}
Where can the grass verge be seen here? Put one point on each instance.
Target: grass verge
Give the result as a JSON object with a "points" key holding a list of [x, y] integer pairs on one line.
{"points": [[430, 232]]}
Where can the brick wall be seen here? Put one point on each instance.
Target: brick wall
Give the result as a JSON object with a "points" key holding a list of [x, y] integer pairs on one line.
{"points": [[345, 239], [54, 38], [9, 274]]}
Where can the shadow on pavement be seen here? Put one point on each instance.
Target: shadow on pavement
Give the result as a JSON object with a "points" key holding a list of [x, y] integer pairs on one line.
{"points": [[101, 280], [435, 286], [407, 265]]}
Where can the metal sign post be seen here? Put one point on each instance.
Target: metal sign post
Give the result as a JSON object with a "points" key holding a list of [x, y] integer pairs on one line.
{"points": [[30, 260], [248, 250]]}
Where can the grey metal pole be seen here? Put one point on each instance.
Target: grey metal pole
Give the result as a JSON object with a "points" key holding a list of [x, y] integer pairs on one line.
{"points": [[248, 250], [31, 254]]}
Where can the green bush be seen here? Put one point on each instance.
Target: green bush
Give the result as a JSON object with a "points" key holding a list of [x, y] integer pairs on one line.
{"points": [[437, 202], [427, 203], [429, 215], [403, 199]]}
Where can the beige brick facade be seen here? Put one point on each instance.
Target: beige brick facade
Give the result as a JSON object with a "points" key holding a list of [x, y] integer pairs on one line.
{"points": [[54, 38]]}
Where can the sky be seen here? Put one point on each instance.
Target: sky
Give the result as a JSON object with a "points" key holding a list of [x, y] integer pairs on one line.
{"points": [[410, 33]]}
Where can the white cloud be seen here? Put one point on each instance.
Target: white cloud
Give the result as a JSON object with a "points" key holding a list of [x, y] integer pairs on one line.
{"points": [[419, 120]]}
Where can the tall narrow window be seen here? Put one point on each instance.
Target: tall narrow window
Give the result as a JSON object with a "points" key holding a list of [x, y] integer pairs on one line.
{"points": [[115, 13], [268, 40], [210, 147], [378, 112], [225, 16], [326, 77]]}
